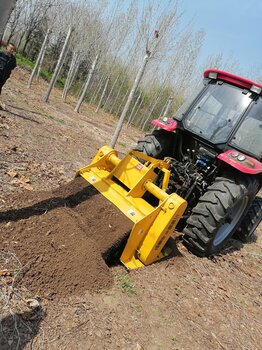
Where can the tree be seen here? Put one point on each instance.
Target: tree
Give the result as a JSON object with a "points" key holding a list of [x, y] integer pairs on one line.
{"points": [[39, 59], [59, 65], [89, 77], [33, 14], [156, 23], [130, 98]]}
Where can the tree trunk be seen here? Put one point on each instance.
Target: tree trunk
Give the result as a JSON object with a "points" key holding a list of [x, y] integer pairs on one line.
{"points": [[116, 98], [99, 86], [130, 119], [38, 59], [19, 42], [40, 64], [139, 106], [27, 40], [121, 103], [58, 66], [69, 75], [169, 102], [129, 100], [73, 75], [89, 77], [110, 92], [103, 94], [143, 124]]}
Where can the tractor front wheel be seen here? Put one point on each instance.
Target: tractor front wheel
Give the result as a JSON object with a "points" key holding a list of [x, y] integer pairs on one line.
{"points": [[157, 145], [218, 214]]}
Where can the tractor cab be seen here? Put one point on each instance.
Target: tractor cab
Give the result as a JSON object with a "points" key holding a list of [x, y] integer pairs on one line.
{"points": [[227, 113]]}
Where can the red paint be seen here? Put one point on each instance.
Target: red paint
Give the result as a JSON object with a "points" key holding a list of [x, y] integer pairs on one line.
{"points": [[248, 166], [169, 124], [232, 79]]}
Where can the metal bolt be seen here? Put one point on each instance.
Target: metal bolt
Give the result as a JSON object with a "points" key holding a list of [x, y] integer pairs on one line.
{"points": [[171, 205]]}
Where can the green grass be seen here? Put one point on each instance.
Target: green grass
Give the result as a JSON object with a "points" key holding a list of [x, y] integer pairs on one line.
{"points": [[126, 284], [24, 62], [46, 74]]}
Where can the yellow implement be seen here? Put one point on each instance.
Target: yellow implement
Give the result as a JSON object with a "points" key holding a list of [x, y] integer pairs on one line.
{"points": [[124, 182]]}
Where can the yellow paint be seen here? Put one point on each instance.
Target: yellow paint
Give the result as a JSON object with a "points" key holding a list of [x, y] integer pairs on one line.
{"points": [[124, 183]]}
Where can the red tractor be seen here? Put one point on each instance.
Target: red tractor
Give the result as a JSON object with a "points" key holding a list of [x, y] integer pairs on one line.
{"points": [[214, 144]]}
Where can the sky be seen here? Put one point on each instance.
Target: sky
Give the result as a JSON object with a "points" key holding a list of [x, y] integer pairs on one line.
{"points": [[231, 27]]}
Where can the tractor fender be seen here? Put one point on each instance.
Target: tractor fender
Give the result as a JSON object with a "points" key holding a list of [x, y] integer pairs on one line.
{"points": [[241, 162], [167, 124]]}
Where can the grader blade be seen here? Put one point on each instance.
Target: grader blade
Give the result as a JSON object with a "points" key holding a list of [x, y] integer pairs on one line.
{"points": [[126, 182]]}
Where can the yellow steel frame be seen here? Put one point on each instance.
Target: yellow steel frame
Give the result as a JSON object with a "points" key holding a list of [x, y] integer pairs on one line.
{"points": [[124, 182]]}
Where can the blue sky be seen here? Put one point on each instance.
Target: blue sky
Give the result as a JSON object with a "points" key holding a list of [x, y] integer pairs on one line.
{"points": [[231, 27]]}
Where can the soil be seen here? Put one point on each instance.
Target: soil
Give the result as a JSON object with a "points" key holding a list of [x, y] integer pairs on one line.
{"points": [[55, 230], [70, 229]]}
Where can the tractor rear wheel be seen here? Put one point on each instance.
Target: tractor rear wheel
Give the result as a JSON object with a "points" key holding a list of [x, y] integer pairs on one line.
{"points": [[157, 145], [251, 221], [218, 214]]}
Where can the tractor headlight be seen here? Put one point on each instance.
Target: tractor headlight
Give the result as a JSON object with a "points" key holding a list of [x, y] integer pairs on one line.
{"points": [[241, 157], [256, 89], [234, 154], [212, 75]]}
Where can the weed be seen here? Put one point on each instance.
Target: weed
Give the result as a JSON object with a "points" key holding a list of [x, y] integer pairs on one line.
{"points": [[126, 284], [178, 290], [123, 144], [243, 303], [16, 270]]}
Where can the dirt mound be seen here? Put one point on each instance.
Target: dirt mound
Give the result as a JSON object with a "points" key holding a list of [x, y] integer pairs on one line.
{"points": [[60, 237]]}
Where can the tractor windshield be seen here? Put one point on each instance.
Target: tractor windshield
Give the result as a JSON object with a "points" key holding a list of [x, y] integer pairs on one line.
{"points": [[248, 137], [217, 111]]}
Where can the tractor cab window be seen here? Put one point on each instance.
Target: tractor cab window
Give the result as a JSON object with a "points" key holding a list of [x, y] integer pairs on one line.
{"points": [[248, 137], [181, 111], [217, 111]]}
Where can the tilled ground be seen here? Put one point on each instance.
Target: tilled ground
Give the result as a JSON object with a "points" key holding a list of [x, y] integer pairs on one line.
{"points": [[57, 292], [60, 238]]}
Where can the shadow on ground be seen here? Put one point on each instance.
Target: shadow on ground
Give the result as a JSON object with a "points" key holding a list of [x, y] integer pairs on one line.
{"points": [[19, 329], [41, 207]]}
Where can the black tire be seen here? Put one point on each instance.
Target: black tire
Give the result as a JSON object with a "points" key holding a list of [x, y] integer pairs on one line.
{"points": [[157, 145], [218, 213], [251, 221]]}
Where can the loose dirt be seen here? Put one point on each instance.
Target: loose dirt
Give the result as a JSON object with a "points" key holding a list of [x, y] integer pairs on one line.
{"points": [[54, 230], [60, 237]]}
